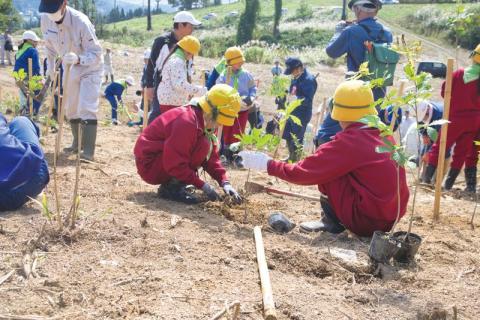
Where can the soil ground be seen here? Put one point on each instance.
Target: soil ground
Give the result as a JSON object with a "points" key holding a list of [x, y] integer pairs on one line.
{"points": [[140, 257]]}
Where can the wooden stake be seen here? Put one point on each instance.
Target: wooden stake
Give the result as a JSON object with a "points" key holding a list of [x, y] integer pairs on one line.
{"points": [[267, 295], [52, 103], [145, 110], [73, 209], [29, 97], [443, 141], [401, 88]]}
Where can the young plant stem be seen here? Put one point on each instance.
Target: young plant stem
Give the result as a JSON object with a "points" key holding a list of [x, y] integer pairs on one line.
{"points": [[52, 104], [245, 208], [73, 209], [275, 153], [398, 201]]}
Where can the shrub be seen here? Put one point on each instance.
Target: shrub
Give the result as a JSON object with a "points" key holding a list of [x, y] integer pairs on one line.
{"points": [[304, 12], [215, 47]]}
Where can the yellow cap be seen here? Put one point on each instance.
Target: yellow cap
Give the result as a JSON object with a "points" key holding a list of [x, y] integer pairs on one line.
{"points": [[475, 55], [190, 44], [352, 101], [234, 55], [222, 102]]}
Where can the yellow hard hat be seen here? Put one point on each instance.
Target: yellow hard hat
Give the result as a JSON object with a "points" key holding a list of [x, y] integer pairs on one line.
{"points": [[222, 102], [352, 101], [475, 55], [190, 44], [234, 55]]}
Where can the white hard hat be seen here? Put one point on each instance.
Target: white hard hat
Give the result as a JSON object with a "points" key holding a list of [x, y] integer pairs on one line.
{"points": [[30, 35], [186, 17], [129, 80], [146, 54], [422, 109]]}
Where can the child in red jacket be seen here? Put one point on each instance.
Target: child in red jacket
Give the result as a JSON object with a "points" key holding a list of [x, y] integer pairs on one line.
{"points": [[180, 141], [359, 182], [464, 123]]}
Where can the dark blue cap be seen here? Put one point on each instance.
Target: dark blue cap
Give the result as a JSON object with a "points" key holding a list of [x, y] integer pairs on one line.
{"points": [[292, 63], [50, 6]]}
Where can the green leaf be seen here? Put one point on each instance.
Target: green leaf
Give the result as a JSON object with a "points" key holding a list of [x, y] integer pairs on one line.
{"points": [[296, 120], [409, 70], [432, 133]]}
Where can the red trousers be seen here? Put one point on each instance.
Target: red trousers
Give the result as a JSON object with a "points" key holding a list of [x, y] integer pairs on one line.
{"points": [[461, 132], [164, 108], [238, 128]]}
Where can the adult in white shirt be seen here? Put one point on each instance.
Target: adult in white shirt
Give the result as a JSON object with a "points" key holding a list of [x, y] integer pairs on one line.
{"points": [[69, 34]]}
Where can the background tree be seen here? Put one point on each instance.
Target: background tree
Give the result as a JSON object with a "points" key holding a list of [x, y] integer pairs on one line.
{"points": [[276, 18], [217, 2], [9, 17], [149, 17], [248, 20]]}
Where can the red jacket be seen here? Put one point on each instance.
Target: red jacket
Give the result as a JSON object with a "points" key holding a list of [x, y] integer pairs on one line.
{"points": [[465, 100], [359, 182], [175, 145]]}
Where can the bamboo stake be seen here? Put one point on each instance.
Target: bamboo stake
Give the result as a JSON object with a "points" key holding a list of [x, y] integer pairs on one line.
{"points": [[52, 103], [58, 142], [74, 207], [267, 295], [401, 88], [29, 98], [443, 141], [145, 110]]}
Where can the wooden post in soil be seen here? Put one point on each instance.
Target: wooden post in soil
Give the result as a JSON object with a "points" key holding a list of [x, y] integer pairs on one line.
{"points": [[58, 143], [267, 295], [73, 209], [145, 110], [52, 102], [443, 141], [29, 96]]}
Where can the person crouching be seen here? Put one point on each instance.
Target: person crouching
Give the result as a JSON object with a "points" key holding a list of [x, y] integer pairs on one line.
{"points": [[178, 142], [360, 184]]}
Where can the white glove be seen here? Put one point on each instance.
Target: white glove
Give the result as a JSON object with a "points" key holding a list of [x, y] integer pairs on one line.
{"points": [[255, 160], [227, 187], [71, 58]]}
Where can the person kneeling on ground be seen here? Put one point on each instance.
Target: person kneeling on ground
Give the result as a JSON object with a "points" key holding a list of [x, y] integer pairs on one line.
{"points": [[23, 168], [177, 143], [359, 182]]}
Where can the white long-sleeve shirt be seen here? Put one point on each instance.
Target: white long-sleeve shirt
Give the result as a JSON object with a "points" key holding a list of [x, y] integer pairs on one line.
{"points": [[174, 89], [75, 34]]}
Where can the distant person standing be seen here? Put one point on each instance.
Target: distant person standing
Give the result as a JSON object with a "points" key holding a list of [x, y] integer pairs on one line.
{"points": [[8, 46], [277, 70], [107, 65], [70, 34], [350, 38], [2, 49], [183, 25]]}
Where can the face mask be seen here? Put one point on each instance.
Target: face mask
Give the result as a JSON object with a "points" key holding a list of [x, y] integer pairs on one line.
{"points": [[57, 16]]}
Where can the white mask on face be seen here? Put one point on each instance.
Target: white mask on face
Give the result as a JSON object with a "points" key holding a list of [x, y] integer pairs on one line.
{"points": [[57, 16]]}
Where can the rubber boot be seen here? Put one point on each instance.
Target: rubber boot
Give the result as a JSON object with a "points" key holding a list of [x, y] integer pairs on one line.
{"points": [[74, 124], [451, 177], [176, 191], [471, 179], [429, 172], [89, 137], [111, 77]]}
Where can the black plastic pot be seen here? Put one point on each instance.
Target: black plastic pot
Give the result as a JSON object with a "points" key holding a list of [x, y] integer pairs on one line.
{"points": [[408, 246], [382, 247]]}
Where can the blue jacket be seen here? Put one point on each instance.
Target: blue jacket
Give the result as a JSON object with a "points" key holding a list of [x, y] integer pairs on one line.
{"points": [[19, 160], [21, 62], [114, 89], [331, 127], [242, 81], [351, 42], [304, 87]]}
